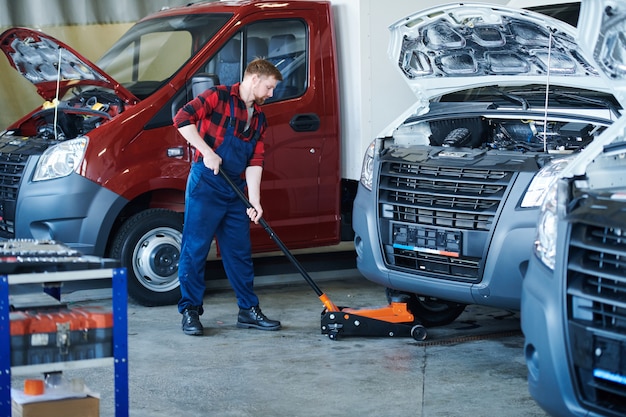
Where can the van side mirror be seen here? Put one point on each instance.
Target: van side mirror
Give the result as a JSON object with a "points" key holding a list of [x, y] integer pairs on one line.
{"points": [[197, 84]]}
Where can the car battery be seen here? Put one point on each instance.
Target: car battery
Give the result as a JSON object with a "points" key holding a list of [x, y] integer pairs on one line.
{"points": [[65, 334]]}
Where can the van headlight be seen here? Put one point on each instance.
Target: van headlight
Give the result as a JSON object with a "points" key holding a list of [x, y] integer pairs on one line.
{"points": [[542, 181], [545, 243], [367, 169], [61, 160]]}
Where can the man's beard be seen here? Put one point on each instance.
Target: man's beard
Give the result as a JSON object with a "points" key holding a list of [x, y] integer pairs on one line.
{"points": [[259, 100]]}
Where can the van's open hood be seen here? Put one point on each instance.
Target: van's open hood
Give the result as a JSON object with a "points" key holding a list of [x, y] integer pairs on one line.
{"points": [[460, 46], [601, 35], [37, 56]]}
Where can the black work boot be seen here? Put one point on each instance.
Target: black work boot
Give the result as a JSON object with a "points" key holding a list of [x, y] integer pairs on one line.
{"points": [[191, 322], [254, 318]]}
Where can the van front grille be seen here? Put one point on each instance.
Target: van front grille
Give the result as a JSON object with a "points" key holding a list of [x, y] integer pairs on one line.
{"points": [[11, 172], [596, 305], [434, 205]]}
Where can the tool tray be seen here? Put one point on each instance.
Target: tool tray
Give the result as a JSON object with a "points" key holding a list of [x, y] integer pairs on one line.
{"points": [[61, 335]]}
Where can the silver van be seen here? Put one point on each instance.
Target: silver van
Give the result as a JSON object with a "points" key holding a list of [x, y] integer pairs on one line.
{"points": [[573, 305]]}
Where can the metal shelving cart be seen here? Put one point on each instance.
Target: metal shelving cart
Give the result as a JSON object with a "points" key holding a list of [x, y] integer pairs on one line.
{"points": [[119, 343]]}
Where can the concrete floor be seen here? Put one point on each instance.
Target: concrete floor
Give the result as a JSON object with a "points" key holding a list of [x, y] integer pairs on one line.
{"points": [[473, 367]]}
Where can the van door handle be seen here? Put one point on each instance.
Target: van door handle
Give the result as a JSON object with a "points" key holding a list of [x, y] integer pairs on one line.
{"points": [[307, 122]]}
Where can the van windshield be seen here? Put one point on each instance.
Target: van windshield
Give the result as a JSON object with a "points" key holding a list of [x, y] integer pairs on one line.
{"points": [[152, 51]]}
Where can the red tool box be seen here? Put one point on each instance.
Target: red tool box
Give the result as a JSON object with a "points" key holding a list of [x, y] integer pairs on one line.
{"points": [[67, 334]]}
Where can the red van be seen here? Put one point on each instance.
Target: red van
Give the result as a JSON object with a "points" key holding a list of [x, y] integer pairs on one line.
{"points": [[100, 167]]}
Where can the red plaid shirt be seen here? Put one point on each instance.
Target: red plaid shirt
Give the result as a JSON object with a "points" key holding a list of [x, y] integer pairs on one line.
{"points": [[209, 111]]}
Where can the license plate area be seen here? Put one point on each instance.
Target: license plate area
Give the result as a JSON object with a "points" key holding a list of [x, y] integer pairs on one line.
{"points": [[606, 360], [428, 240]]}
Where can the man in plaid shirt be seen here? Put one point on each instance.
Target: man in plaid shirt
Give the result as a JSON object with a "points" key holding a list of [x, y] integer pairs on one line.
{"points": [[226, 127]]}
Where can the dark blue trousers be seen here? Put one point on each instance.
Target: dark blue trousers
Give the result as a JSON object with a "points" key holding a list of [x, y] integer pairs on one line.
{"points": [[213, 209]]}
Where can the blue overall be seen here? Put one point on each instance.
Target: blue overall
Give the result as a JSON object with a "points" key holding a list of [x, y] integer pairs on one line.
{"points": [[212, 208]]}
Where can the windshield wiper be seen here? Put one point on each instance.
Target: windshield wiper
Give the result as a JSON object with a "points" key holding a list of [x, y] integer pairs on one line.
{"points": [[513, 98], [601, 102]]}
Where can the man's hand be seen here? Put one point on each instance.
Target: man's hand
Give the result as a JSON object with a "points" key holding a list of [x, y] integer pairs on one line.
{"points": [[212, 161], [255, 213]]}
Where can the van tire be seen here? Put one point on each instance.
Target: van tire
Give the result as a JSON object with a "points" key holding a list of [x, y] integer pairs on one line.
{"points": [[148, 246]]}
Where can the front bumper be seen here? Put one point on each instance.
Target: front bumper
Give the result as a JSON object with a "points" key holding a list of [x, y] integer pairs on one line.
{"points": [[509, 249], [72, 210]]}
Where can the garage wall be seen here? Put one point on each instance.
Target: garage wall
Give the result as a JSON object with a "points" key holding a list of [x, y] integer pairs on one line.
{"points": [[89, 26], [74, 12]]}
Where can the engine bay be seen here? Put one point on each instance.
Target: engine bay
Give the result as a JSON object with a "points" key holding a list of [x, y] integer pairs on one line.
{"points": [[81, 111], [505, 134]]}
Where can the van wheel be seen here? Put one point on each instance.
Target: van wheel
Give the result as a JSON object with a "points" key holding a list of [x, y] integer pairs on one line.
{"points": [[428, 311], [148, 245]]}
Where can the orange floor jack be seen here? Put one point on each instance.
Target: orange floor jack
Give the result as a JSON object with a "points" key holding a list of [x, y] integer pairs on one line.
{"points": [[393, 320]]}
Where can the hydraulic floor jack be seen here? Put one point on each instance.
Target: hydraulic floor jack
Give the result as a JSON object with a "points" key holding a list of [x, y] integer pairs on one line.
{"points": [[393, 320]]}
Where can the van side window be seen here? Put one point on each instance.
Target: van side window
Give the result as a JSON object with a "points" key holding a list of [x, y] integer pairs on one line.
{"points": [[282, 42], [229, 62]]}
